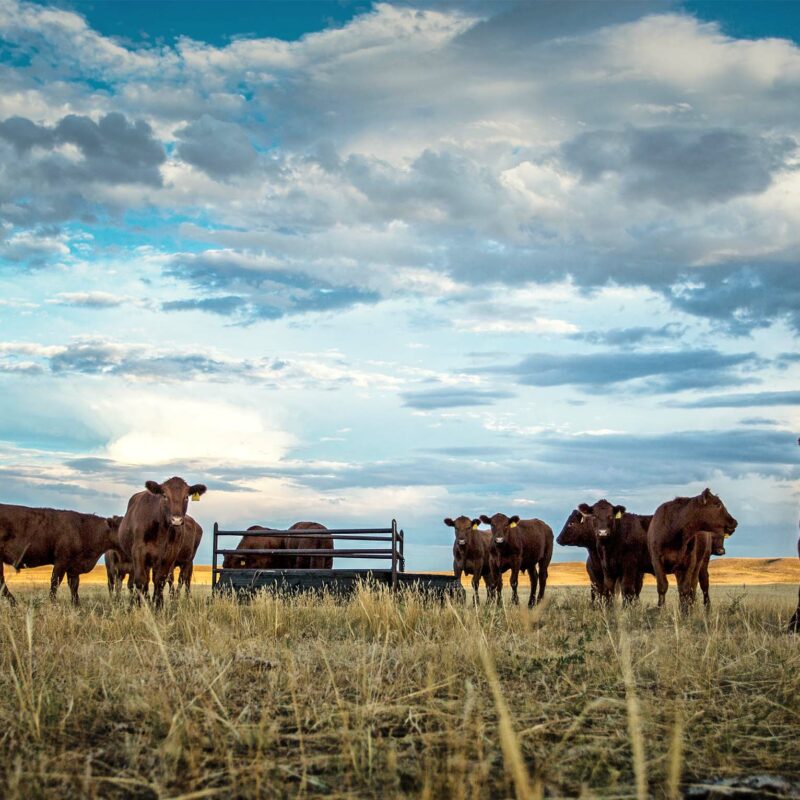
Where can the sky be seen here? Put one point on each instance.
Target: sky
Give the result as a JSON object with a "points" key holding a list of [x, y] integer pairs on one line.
{"points": [[346, 261]]}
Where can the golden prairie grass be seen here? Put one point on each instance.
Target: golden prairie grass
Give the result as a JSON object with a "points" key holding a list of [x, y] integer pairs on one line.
{"points": [[724, 572], [380, 697]]}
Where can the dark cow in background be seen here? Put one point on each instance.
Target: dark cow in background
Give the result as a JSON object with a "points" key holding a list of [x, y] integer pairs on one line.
{"points": [[72, 542], [621, 540], [471, 551], [288, 543], [151, 533], [192, 535], [680, 540], [520, 546], [577, 532], [118, 567]]}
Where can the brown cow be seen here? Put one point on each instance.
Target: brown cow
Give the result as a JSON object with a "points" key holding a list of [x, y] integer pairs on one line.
{"points": [[520, 546], [72, 542], [471, 553], [192, 535], [118, 567], [676, 545], [279, 560], [578, 533], [151, 533]]}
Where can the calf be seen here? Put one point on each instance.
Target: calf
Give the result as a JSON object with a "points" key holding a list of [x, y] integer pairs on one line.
{"points": [[118, 567], [578, 533], [192, 535], [471, 550], [621, 540], [680, 540], [72, 542], [151, 533], [519, 546]]}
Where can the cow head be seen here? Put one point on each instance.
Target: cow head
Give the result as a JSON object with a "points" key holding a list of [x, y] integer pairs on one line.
{"points": [[717, 544], [714, 518], [576, 531], [463, 526], [603, 517], [501, 526], [174, 495]]}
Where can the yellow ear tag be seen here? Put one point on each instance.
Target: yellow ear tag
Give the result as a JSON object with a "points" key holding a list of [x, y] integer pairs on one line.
{"points": [[196, 496], [618, 515], [727, 535], [474, 527], [513, 525]]}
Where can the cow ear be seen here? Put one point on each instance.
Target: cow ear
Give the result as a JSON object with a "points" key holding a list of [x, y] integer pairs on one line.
{"points": [[475, 523], [585, 508], [706, 495], [153, 487], [449, 522], [486, 519], [619, 511], [514, 520], [113, 522], [198, 489]]}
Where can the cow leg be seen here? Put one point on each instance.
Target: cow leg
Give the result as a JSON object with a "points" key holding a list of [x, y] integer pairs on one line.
{"points": [[794, 622], [704, 584], [73, 580], [497, 582], [534, 576], [543, 568], [685, 590], [171, 583], [4, 592], [629, 581], [662, 584], [55, 580], [476, 582], [141, 578], [159, 579], [186, 578], [111, 578], [514, 581], [639, 583]]}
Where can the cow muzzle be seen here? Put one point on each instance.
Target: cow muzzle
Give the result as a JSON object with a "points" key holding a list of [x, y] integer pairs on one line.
{"points": [[462, 541], [603, 532], [499, 540], [719, 551], [176, 521]]}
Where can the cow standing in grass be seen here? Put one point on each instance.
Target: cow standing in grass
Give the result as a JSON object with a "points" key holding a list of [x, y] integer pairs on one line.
{"points": [[118, 567], [577, 532], [151, 533], [72, 542], [681, 538], [519, 546], [471, 553]]}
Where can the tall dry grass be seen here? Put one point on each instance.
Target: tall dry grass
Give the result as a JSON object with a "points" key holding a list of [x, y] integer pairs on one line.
{"points": [[376, 697]]}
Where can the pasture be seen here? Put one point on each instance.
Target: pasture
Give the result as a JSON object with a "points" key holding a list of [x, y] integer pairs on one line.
{"points": [[376, 697]]}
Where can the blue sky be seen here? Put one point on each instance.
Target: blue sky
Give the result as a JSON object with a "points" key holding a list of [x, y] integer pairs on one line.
{"points": [[345, 261]]}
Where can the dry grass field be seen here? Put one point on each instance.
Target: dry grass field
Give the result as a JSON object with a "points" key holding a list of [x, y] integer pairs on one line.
{"points": [[379, 697]]}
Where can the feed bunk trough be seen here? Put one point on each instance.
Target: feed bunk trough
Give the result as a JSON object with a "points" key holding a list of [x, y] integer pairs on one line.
{"points": [[245, 580]]}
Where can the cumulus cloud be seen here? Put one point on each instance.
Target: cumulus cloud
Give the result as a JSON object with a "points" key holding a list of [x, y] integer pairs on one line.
{"points": [[221, 149]]}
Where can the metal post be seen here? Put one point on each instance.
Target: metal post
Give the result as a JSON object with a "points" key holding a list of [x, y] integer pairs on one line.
{"points": [[402, 554], [214, 561], [394, 554]]}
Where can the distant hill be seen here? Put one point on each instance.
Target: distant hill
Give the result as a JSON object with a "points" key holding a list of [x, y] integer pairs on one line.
{"points": [[723, 571]]}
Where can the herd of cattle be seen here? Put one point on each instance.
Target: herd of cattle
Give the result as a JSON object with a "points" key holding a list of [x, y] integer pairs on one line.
{"points": [[678, 539], [156, 536]]}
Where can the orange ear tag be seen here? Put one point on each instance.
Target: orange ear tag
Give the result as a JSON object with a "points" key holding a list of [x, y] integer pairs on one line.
{"points": [[196, 496]]}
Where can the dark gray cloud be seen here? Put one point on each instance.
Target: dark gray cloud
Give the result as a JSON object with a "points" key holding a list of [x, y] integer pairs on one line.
{"points": [[745, 400], [270, 293], [226, 306], [452, 397], [661, 371], [625, 337], [740, 297], [678, 165], [114, 150], [221, 149]]}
